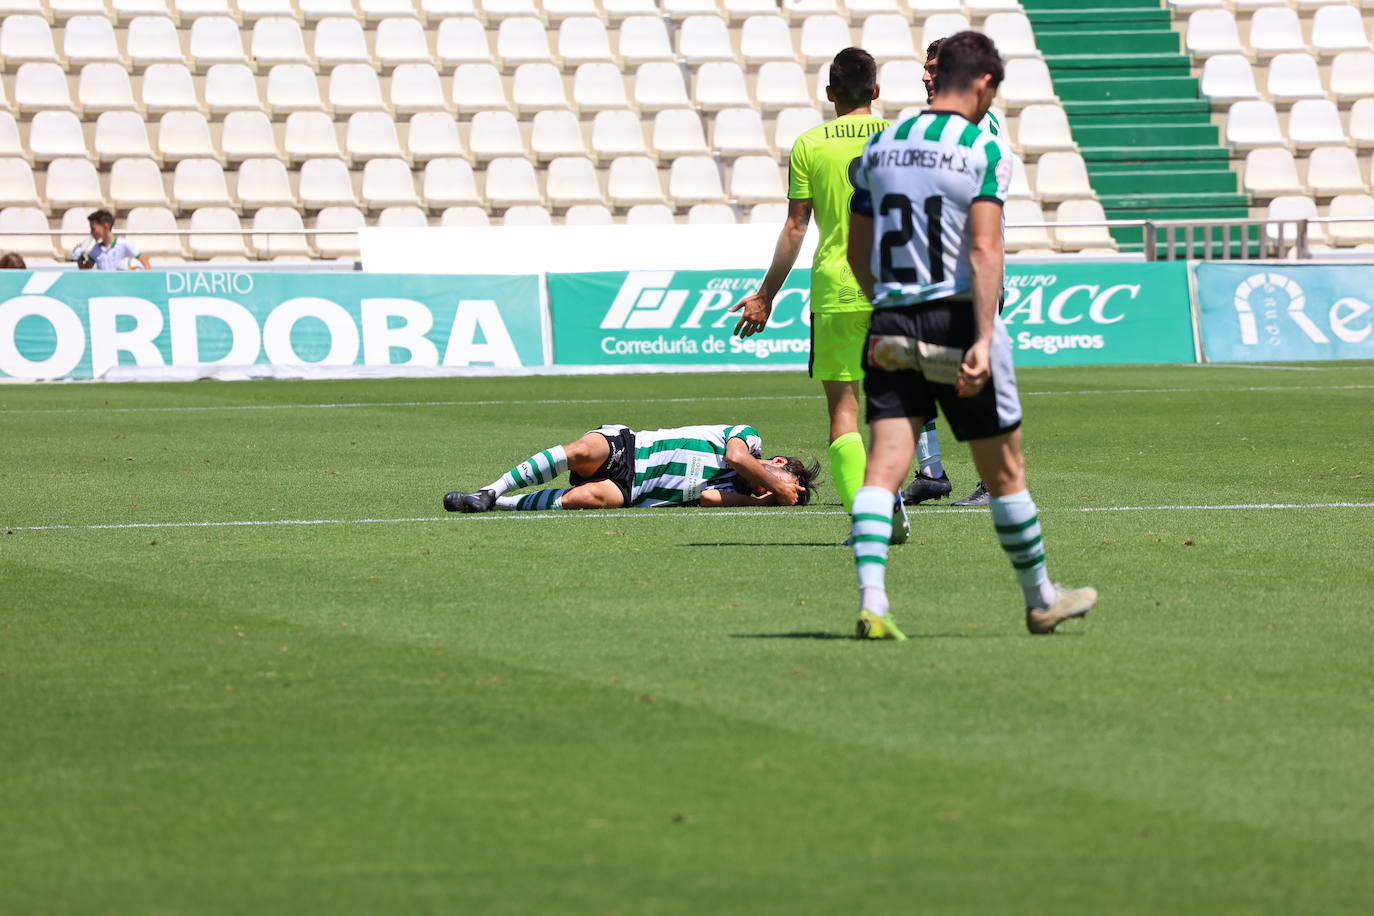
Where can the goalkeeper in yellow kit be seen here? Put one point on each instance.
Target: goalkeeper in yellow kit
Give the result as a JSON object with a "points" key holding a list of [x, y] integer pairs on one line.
{"points": [[820, 182]]}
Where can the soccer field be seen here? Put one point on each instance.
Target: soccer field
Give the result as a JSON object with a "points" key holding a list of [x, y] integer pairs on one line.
{"points": [[249, 665]]}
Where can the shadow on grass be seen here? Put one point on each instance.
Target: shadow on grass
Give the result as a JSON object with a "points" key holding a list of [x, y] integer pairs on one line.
{"points": [[820, 634], [814, 634]]}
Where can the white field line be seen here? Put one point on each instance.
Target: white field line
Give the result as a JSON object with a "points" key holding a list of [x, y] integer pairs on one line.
{"points": [[692, 400], [638, 516]]}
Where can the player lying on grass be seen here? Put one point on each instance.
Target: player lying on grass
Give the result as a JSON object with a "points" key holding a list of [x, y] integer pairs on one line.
{"points": [[615, 466]]}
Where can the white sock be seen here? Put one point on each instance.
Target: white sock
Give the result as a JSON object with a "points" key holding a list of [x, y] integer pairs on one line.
{"points": [[1018, 530], [536, 469], [928, 451], [871, 531]]}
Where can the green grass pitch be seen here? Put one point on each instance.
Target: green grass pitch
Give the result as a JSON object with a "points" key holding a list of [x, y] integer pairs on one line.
{"points": [[660, 711]]}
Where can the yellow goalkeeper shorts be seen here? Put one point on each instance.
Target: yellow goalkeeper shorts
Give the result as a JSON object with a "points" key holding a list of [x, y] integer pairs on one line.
{"points": [[837, 345]]}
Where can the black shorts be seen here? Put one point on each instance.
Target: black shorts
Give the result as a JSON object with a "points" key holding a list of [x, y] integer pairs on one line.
{"points": [[619, 468], [911, 364]]}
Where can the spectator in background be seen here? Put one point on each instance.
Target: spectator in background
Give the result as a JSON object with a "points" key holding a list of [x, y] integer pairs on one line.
{"points": [[106, 251], [11, 261]]}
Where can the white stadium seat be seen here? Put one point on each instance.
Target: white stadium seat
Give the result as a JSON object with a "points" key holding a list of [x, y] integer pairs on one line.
{"points": [[755, 179], [1077, 238], [137, 183], [617, 10], [599, 87], [537, 87], [230, 87], [1352, 75], [1270, 171], [791, 123], [293, 88], [1044, 127], [462, 41], [678, 132], [278, 40], [633, 180], [561, 10], [1315, 122], [39, 86], [185, 135], [1027, 82], [556, 133], [660, 85], [1362, 123], [1275, 30], [1334, 28], [680, 9], [522, 40], [464, 216], [1212, 31], [355, 87], [338, 242], [1334, 170], [30, 220], [388, 183], [73, 183], [644, 38], [340, 40], [119, 134], [695, 179], [432, 135], [493, 134], [822, 37], [10, 143], [229, 242], [704, 38], [900, 83], [264, 183], [89, 39], [153, 40], [216, 40], [512, 181], [1293, 207], [200, 183], [649, 215], [869, 7], [438, 9], [1062, 176], [248, 135], [941, 25], [888, 37], [374, 10], [253, 10], [719, 84], [1020, 237], [716, 214], [583, 39], [766, 38], [1253, 123], [314, 10], [477, 87], [169, 87], [27, 39], [55, 134], [527, 215], [17, 184], [769, 214], [572, 180], [1294, 76], [152, 230], [401, 40], [125, 10], [310, 135], [193, 9], [105, 87], [405, 217], [738, 132], [1012, 34], [496, 10], [1228, 78], [1020, 182], [781, 84], [277, 220], [449, 182], [588, 215], [416, 88], [620, 133], [325, 183], [372, 135], [1352, 205]]}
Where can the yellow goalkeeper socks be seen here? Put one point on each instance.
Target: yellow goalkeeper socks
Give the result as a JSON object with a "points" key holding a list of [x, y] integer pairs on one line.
{"points": [[848, 460]]}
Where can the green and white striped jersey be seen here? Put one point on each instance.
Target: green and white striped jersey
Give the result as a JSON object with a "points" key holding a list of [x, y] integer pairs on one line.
{"points": [[917, 180], [674, 466]]}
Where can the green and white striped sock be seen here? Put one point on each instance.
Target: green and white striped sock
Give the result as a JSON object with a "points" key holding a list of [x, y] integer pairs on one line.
{"points": [[1018, 531], [871, 532], [536, 469], [538, 501]]}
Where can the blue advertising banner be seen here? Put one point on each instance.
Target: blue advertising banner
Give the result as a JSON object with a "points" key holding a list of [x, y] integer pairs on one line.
{"points": [[79, 325], [1268, 313]]}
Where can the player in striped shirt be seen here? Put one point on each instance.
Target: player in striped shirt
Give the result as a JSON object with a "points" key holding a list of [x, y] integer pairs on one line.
{"points": [[925, 237], [615, 466]]}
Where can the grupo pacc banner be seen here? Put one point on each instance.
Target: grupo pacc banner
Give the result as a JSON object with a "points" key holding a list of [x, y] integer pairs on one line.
{"points": [[1068, 314], [681, 317], [1263, 312], [153, 324], [1099, 314]]}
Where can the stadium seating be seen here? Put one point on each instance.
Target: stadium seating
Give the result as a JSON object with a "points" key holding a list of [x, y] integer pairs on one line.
{"points": [[400, 110]]}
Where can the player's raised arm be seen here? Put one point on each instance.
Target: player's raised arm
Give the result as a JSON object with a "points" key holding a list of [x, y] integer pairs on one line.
{"points": [[759, 306], [762, 475]]}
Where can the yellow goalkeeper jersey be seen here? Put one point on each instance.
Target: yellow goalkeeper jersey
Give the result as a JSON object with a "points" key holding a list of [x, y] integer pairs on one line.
{"points": [[821, 170]]}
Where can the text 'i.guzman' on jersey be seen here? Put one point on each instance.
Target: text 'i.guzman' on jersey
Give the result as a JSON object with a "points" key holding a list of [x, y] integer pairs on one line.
{"points": [[917, 180], [821, 169], [674, 466]]}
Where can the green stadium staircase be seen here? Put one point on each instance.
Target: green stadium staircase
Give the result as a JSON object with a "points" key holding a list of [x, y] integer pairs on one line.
{"points": [[1136, 112]]}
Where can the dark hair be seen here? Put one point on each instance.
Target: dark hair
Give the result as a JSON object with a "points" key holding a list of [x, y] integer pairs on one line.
{"points": [[933, 49], [853, 77], [965, 56], [11, 261], [806, 476], [103, 217]]}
